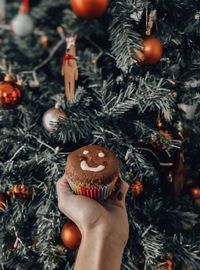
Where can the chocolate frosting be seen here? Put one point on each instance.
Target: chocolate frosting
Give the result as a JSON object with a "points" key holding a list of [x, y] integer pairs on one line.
{"points": [[92, 165]]}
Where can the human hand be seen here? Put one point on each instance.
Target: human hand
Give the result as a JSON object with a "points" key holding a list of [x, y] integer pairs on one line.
{"points": [[103, 225], [107, 218]]}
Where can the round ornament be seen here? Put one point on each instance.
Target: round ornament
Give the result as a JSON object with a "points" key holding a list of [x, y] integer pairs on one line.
{"points": [[137, 188], [51, 118], [89, 9], [22, 25], [195, 191], [151, 53], [10, 94], [21, 191], [70, 235]]}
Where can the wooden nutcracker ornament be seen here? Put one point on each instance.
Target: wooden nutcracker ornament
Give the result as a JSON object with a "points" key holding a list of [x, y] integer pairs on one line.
{"points": [[69, 67]]}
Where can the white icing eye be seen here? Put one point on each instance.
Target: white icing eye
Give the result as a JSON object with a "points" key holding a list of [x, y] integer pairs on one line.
{"points": [[101, 154], [85, 152]]}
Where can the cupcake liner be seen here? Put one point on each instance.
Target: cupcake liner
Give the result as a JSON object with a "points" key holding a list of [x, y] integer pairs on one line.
{"points": [[95, 193]]}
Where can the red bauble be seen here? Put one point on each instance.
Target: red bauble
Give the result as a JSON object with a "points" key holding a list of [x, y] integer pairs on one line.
{"points": [[89, 9], [195, 191], [151, 53], [70, 235], [10, 94]]}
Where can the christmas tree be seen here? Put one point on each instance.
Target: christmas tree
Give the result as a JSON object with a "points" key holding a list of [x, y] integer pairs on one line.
{"points": [[137, 93]]}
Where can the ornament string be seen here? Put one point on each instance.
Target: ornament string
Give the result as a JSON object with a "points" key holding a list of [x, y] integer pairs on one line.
{"points": [[48, 59], [25, 6]]}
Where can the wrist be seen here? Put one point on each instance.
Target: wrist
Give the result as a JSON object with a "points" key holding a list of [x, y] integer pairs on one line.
{"points": [[103, 251]]}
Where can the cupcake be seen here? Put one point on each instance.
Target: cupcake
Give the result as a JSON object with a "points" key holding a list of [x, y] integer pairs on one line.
{"points": [[92, 171]]}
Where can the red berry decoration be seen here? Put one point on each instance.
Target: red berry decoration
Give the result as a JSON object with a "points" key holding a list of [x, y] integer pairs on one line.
{"points": [[137, 188], [151, 53], [10, 94], [70, 235], [89, 9]]}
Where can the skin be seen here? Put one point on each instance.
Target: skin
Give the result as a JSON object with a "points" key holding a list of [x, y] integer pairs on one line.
{"points": [[104, 226], [70, 70]]}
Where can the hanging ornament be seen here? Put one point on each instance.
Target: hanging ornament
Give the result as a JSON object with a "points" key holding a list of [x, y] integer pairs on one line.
{"points": [[137, 188], [69, 67], [22, 25], [71, 235], [4, 200], [10, 94], [21, 191], [89, 9], [151, 53], [51, 118], [195, 192], [44, 41], [189, 110]]}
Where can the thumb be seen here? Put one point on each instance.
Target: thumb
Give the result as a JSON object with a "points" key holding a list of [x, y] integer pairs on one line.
{"points": [[118, 197]]}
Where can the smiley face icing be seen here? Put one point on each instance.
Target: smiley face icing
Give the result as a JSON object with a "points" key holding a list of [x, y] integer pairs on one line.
{"points": [[92, 164], [86, 167]]}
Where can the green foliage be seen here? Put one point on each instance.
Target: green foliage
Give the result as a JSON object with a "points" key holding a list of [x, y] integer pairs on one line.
{"points": [[117, 103]]}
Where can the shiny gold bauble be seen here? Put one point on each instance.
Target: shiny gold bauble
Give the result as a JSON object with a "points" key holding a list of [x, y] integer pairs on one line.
{"points": [[70, 235], [151, 53], [89, 9], [10, 94]]}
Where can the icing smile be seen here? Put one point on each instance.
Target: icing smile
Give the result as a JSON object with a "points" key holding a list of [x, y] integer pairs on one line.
{"points": [[86, 167]]}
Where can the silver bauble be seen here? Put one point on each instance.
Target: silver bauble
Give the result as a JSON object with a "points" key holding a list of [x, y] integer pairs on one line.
{"points": [[22, 24], [189, 110], [51, 118]]}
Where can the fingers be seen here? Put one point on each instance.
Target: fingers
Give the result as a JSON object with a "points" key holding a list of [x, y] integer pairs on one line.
{"points": [[64, 193], [79, 209], [119, 196]]}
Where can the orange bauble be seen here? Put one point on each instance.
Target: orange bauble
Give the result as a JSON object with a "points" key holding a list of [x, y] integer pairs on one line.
{"points": [[89, 9], [21, 191], [137, 188], [10, 94], [70, 235], [151, 53], [195, 191]]}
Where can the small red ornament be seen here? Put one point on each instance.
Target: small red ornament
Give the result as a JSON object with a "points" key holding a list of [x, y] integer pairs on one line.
{"points": [[89, 9], [21, 191], [71, 235], [10, 94], [3, 200], [137, 188], [195, 191], [151, 53]]}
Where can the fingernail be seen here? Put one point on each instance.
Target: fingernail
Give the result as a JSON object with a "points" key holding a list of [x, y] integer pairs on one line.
{"points": [[120, 196]]}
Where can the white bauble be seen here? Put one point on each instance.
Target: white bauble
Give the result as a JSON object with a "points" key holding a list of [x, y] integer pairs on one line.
{"points": [[51, 118], [22, 24]]}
